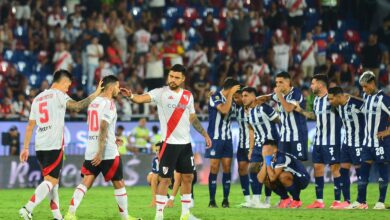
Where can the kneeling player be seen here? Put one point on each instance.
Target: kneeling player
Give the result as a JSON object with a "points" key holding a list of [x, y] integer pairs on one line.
{"points": [[283, 173], [101, 155]]}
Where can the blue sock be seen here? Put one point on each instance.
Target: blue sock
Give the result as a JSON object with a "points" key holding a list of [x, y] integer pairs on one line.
{"points": [[255, 185], [226, 179], [281, 191], [345, 184], [244, 180], [363, 182], [383, 181], [268, 191], [212, 186], [337, 188], [319, 181], [293, 192]]}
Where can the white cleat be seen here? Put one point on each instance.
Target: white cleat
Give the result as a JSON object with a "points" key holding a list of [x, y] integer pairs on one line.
{"points": [[189, 216], [246, 205], [159, 216], [261, 206], [25, 214], [379, 206], [357, 205]]}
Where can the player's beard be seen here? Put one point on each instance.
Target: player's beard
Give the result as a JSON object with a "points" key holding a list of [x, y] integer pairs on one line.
{"points": [[173, 86]]}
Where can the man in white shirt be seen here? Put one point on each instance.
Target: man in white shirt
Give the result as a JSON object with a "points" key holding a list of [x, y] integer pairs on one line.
{"points": [[48, 113], [95, 52], [176, 112], [101, 155], [62, 58], [308, 49], [281, 55], [142, 40]]}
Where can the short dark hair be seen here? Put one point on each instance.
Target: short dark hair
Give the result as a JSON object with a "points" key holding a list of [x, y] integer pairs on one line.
{"points": [[321, 77], [109, 80], [270, 142], [155, 129], [61, 73], [283, 75], [120, 127], [335, 90], [250, 90], [229, 83], [179, 68]]}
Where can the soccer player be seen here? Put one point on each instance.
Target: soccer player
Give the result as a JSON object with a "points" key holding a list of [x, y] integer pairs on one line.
{"points": [[102, 155], [176, 112], [348, 108], [48, 113], [293, 131], [262, 121], [327, 140], [220, 113], [376, 141], [283, 173], [243, 147]]}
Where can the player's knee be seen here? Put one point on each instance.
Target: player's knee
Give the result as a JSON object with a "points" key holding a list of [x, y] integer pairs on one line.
{"points": [[165, 181], [335, 168], [118, 184], [214, 168], [242, 170], [254, 168], [149, 177], [319, 169], [187, 178], [286, 178]]}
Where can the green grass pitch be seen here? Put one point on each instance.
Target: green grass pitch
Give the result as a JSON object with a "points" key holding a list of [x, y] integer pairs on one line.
{"points": [[99, 203]]}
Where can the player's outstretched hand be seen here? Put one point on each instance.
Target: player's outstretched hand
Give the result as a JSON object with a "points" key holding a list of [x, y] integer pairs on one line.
{"points": [[383, 134], [24, 155], [97, 159], [118, 141], [126, 92], [208, 141], [100, 88], [169, 203]]}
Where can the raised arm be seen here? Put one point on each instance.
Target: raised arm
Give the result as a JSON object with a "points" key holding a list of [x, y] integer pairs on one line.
{"points": [[224, 108], [288, 107], [263, 98], [82, 104], [27, 138], [101, 142], [139, 99]]}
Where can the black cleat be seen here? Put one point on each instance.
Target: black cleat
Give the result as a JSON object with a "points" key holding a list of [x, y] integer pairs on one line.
{"points": [[212, 204], [225, 203]]}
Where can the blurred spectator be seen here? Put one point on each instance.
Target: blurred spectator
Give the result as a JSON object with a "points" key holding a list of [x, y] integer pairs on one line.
{"points": [[95, 52], [22, 107], [209, 31], [384, 33], [372, 55], [13, 80], [39, 8], [121, 140], [347, 77], [156, 136], [23, 9], [246, 53], [252, 77], [139, 136], [308, 49], [62, 58], [120, 32], [41, 69], [142, 40], [114, 54], [6, 109], [328, 10], [240, 30], [196, 57], [154, 68], [275, 18], [124, 107], [281, 55], [75, 18], [38, 36], [201, 84], [12, 139], [6, 37], [295, 17], [56, 18], [156, 8], [44, 85]]}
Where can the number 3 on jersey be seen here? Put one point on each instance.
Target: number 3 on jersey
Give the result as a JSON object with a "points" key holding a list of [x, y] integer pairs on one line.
{"points": [[93, 120], [44, 113]]}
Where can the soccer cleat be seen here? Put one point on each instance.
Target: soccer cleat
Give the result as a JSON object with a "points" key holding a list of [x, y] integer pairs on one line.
{"points": [[189, 216], [245, 205], [342, 205], [295, 204], [334, 204], [284, 203], [357, 205], [70, 216], [133, 218], [159, 216], [316, 205], [25, 214], [225, 203], [261, 205], [212, 204], [379, 206]]}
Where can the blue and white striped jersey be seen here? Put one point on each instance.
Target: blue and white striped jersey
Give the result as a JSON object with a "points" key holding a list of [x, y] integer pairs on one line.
{"points": [[328, 123], [260, 118], [219, 124], [293, 124], [353, 121], [243, 141], [376, 115]]}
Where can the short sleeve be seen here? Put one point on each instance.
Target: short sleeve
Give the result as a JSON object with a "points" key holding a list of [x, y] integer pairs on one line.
{"points": [[109, 112], [358, 104], [156, 95], [63, 98], [296, 97], [274, 97], [270, 112], [282, 162], [215, 100], [191, 106]]}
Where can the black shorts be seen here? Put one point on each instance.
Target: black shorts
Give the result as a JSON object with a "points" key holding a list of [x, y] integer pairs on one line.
{"points": [[112, 170], [50, 162], [177, 157]]}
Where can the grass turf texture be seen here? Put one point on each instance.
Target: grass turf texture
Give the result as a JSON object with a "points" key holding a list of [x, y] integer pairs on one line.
{"points": [[99, 203]]}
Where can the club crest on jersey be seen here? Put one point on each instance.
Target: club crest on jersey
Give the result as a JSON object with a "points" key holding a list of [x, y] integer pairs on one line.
{"points": [[165, 170], [212, 153]]}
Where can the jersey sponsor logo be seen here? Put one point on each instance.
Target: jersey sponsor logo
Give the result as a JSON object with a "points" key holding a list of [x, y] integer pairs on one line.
{"points": [[42, 129], [165, 170], [49, 96], [170, 97], [177, 106], [93, 137]]}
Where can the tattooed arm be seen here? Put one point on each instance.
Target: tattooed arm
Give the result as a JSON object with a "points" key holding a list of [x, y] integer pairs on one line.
{"points": [[307, 114], [101, 142], [80, 105], [199, 128]]}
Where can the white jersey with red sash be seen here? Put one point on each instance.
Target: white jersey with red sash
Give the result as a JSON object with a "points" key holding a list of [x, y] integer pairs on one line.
{"points": [[308, 48]]}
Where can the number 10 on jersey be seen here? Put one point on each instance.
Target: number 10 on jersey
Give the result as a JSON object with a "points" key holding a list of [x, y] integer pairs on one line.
{"points": [[93, 122]]}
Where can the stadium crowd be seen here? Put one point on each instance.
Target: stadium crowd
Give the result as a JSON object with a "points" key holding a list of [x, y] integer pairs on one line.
{"points": [[139, 40]]}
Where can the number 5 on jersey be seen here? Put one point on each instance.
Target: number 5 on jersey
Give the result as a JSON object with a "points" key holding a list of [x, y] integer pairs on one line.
{"points": [[44, 112], [93, 120]]}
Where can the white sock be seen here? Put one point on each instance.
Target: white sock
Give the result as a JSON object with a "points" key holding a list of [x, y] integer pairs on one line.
{"points": [[185, 203], [256, 198], [78, 195], [160, 203], [121, 200], [55, 202], [320, 200], [267, 200], [40, 194], [247, 199]]}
